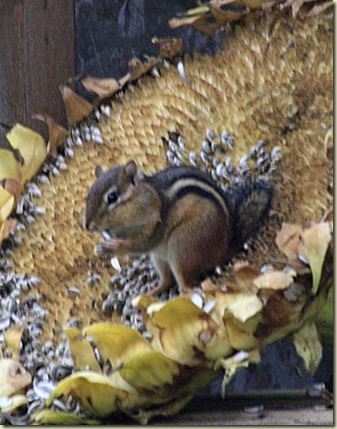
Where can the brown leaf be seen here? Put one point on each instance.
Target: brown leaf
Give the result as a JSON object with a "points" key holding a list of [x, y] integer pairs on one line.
{"points": [[104, 88], [57, 134], [207, 24], [77, 108], [14, 187], [8, 227], [245, 275], [179, 22], [288, 240], [138, 68], [224, 16], [168, 47], [314, 245]]}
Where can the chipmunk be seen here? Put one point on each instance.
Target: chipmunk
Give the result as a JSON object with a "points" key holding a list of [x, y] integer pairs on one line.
{"points": [[179, 216]]}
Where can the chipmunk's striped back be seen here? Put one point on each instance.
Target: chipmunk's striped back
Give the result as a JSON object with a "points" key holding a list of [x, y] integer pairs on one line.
{"points": [[177, 182]]}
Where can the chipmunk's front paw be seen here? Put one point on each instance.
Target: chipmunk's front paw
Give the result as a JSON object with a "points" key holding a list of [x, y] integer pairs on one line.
{"points": [[109, 248]]}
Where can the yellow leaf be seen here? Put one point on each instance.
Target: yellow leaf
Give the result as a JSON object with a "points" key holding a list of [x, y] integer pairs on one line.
{"points": [[95, 392], [308, 346], [14, 402], [276, 280], [82, 352], [117, 343], [187, 334], [6, 204], [13, 339], [315, 242], [150, 371], [51, 417], [245, 307], [325, 320], [32, 147], [242, 334], [9, 166]]}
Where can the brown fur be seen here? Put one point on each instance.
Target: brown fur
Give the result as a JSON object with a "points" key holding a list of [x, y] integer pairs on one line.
{"points": [[180, 217]]}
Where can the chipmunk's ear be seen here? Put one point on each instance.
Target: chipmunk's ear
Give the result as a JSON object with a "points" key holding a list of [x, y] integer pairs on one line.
{"points": [[131, 174], [98, 171]]}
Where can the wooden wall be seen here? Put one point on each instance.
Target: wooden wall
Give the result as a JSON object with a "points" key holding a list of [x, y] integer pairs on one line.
{"points": [[37, 54]]}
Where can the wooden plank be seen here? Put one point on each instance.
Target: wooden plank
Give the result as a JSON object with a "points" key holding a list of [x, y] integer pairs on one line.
{"points": [[12, 108], [37, 55]]}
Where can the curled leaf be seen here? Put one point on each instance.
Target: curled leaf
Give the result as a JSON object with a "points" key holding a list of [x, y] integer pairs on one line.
{"points": [[12, 403], [169, 48], [117, 343], [9, 166], [308, 346], [138, 68], [288, 240], [104, 88], [57, 134], [95, 392], [314, 245], [13, 337], [77, 108], [32, 148], [81, 350]]}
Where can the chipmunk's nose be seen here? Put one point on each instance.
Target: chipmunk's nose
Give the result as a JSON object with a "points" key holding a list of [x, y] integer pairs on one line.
{"points": [[87, 224]]}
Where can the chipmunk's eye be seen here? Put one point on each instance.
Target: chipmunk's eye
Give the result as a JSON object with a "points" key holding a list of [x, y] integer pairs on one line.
{"points": [[112, 197]]}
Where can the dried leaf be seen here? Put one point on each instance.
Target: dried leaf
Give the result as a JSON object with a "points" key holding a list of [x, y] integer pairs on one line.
{"points": [[207, 24], [245, 274], [104, 88], [14, 187], [6, 204], [51, 417], [8, 227], [276, 280], [179, 22], [169, 48], [57, 134], [315, 242], [116, 343], [32, 148], [9, 166], [13, 337], [81, 350], [14, 402], [185, 333], [288, 240], [95, 392], [224, 16], [149, 372], [308, 346], [77, 108], [245, 307], [138, 69]]}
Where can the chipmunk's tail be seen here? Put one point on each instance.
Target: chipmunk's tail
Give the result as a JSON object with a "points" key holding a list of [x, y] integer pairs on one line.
{"points": [[251, 204]]}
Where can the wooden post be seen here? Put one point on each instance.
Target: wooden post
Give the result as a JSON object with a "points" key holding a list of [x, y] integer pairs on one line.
{"points": [[37, 54]]}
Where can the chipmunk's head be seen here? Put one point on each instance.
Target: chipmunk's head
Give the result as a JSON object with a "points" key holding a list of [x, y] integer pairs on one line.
{"points": [[117, 201]]}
